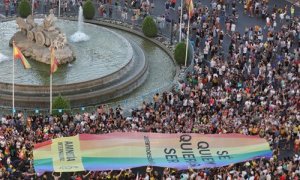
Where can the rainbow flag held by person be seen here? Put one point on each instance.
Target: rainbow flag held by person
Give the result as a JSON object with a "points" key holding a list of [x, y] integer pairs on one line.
{"points": [[53, 62], [115, 151], [190, 7], [17, 54]]}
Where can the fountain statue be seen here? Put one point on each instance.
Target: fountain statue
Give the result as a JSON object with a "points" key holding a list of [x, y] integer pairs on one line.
{"points": [[35, 40], [79, 35]]}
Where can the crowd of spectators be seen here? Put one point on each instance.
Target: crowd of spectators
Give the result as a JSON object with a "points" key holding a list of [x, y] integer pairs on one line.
{"points": [[250, 88]]}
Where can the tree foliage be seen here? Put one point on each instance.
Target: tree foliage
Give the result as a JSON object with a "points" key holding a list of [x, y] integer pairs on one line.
{"points": [[179, 53], [60, 105], [149, 27], [88, 10], [24, 8]]}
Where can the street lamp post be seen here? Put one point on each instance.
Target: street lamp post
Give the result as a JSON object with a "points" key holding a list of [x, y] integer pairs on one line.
{"points": [[172, 24], [58, 8], [181, 10], [32, 7]]}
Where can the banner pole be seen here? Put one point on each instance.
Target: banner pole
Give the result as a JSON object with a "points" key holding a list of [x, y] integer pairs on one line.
{"points": [[187, 43]]}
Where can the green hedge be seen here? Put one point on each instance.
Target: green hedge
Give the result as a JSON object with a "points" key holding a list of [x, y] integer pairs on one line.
{"points": [[60, 103], [179, 53], [149, 27], [24, 8], [88, 10]]}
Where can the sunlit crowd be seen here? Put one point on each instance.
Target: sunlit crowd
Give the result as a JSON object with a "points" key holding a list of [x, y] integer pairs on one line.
{"points": [[241, 82]]}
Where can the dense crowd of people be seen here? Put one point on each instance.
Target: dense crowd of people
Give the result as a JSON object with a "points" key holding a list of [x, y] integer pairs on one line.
{"points": [[252, 88]]}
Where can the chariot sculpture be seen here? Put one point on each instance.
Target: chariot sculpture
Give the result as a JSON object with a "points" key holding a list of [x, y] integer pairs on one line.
{"points": [[45, 34], [35, 39]]}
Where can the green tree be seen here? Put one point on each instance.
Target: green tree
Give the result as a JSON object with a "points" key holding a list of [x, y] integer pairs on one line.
{"points": [[88, 10], [60, 103], [179, 53], [149, 27], [24, 8]]}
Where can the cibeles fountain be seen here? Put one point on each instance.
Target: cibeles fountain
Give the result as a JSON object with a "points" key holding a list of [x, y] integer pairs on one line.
{"points": [[111, 62], [35, 40]]}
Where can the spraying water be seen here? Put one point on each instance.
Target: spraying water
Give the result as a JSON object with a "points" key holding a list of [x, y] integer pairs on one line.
{"points": [[3, 57], [80, 19], [80, 35]]}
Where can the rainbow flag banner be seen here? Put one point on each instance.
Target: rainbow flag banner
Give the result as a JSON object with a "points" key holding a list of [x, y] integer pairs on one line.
{"points": [[117, 151]]}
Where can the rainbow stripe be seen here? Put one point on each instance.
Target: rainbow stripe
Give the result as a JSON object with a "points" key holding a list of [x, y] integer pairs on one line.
{"points": [[128, 150], [17, 54]]}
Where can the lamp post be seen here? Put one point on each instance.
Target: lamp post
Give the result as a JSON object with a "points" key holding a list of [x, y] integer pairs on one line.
{"points": [[32, 7], [172, 17], [181, 10], [172, 24], [58, 8]]}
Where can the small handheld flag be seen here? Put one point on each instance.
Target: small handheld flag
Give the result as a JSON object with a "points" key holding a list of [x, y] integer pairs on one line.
{"points": [[190, 7], [54, 62], [18, 55]]}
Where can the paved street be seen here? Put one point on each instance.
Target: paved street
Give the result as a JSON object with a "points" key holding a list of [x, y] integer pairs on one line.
{"points": [[159, 9]]}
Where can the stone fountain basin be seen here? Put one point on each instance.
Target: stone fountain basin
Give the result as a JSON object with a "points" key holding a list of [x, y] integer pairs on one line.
{"points": [[102, 89], [125, 79], [150, 72], [105, 53]]}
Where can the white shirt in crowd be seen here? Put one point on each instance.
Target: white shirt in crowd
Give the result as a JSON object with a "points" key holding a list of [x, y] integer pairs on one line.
{"points": [[233, 26]]}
